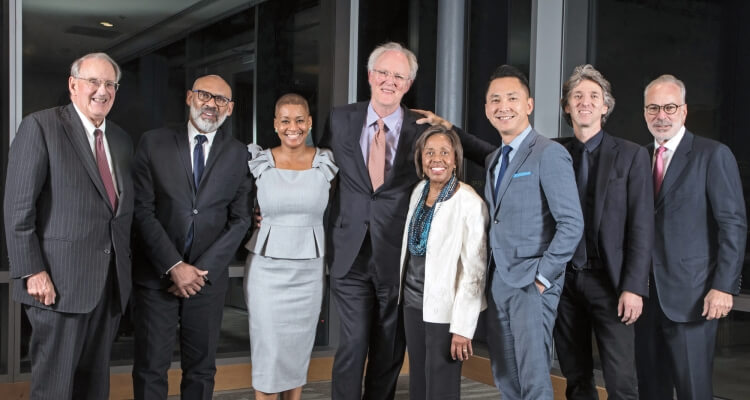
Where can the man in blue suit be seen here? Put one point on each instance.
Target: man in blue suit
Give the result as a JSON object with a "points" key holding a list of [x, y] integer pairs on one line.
{"points": [[536, 225], [701, 228]]}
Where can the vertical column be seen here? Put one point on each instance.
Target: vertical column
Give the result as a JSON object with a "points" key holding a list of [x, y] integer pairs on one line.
{"points": [[546, 65], [449, 90]]}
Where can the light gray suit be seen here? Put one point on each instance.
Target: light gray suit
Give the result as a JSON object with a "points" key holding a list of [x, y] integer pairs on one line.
{"points": [[535, 226]]}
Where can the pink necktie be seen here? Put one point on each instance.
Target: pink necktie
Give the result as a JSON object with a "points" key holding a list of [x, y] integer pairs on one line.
{"points": [[376, 159], [659, 169], [103, 166]]}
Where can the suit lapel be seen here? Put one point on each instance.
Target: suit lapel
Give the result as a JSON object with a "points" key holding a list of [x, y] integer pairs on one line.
{"points": [[408, 131], [515, 164], [607, 155], [489, 185], [221, 140], [676, 166], [116, 148], [356, 124], [183, 151], [76, 133]]}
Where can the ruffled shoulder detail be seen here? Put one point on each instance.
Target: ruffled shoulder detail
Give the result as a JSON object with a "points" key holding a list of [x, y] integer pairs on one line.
{"points": [[324, 162], [261, 159]]}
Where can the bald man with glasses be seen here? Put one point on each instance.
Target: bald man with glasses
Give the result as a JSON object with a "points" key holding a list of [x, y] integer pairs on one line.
{"points": [[192, 209]]}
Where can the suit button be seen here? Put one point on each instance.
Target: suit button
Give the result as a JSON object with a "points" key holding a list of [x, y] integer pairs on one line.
{"points": [[195, 211], [107, 251], [373, 197], [496, 221]]}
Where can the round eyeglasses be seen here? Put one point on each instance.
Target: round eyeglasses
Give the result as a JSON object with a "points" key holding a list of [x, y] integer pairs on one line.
{"points": [[670, 108], [205, 97]]}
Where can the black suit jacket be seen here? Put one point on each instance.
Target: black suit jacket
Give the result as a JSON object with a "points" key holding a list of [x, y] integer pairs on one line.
{"points": [[57, 214], [623, 220], [356, 208], [701, 227], [167, 203]]}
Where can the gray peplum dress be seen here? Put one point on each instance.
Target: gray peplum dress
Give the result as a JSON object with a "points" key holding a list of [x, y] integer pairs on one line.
{"points": [[285, 268]]}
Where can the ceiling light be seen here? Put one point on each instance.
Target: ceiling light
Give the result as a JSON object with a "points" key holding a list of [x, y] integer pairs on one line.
{"points": [[106, 24]]}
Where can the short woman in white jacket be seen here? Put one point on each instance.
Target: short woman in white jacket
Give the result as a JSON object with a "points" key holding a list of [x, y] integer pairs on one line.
{"points": [[443, 266]]}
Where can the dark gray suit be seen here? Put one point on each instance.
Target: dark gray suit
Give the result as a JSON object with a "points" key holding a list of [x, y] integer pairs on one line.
{"points": [[620, 232], [58, 218], [701, 228], [365, 233], [167, 203], [535, 226]]}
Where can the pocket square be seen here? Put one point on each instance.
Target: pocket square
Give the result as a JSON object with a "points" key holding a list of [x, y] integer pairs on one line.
{"points": [[520, 174]]}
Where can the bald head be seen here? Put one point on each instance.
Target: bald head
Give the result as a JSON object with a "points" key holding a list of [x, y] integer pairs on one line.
{"points": [[210, 102]]}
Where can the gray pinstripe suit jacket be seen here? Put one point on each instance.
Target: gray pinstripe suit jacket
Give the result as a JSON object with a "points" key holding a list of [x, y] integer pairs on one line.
{"points": [[57, 214]]}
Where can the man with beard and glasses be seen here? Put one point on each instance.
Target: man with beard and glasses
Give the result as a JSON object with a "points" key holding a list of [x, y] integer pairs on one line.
{"points": [[699, 249], [192, 209]]}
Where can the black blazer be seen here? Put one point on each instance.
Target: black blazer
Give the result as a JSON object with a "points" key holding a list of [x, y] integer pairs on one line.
{"points": [[701, 227], [623, 221], [355, 208], [57, 214], [167, 203]]}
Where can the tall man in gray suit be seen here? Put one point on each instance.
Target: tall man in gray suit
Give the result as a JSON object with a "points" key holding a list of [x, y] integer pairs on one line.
{"points": [[701, 228], [535, 225], [68, 209], [192, 209], [608, 275]]}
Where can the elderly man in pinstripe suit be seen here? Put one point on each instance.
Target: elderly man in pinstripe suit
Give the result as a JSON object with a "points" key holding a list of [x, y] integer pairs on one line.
{"points": [[68, 210]]}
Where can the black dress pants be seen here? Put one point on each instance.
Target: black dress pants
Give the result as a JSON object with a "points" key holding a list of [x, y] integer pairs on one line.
{"points": [[589, 302], [70, 352], [433, 373], [371, 330], [157, 315]]}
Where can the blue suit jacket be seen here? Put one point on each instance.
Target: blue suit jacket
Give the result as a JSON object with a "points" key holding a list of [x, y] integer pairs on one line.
{"points": [[536, 222], [701, 227]]}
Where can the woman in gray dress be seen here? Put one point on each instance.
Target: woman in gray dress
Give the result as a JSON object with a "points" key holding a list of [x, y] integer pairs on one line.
{"points": [[284, 270]]}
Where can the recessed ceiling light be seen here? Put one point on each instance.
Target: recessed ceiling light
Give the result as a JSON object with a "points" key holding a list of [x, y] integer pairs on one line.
{"points": [[106, 24]]}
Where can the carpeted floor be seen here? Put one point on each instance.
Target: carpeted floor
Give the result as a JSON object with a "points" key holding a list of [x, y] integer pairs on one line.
{"points": [[470, 390]]}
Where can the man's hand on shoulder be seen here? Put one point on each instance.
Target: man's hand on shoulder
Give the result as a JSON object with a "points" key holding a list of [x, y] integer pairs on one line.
{"points": [[188, 280], [40, 287], [432, 119]]}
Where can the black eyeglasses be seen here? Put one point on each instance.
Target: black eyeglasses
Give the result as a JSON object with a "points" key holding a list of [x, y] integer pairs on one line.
{"points": [[670, 108], [205, 97]]}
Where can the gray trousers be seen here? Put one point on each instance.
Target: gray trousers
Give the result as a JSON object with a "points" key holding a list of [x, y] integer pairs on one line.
{"points": [[519, 336]]}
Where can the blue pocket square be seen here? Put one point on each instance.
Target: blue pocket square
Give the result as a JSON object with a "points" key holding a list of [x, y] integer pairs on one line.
{"points": [[520, 174]]}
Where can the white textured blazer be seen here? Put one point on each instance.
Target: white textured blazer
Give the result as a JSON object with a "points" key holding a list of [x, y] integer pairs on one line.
{"points": [[455, 261]]}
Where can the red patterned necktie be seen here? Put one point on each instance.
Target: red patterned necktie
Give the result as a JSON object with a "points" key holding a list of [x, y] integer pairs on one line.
{"points": [[103, 166], [659, 169], [376, 159]]}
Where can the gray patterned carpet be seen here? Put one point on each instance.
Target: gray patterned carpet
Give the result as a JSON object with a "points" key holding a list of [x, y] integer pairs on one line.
{"points": [[470, 390]]}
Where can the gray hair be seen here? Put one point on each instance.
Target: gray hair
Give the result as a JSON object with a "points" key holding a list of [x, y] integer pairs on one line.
{"points": [[458, 150], [393, 46], [667, 78], [582, 73], [75, 68]]}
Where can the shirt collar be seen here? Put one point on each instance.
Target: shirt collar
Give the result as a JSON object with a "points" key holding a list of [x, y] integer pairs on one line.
{"points": [[672, 144], [390, 120], [87, 124], [516, 143], [192, 132], [593, 143]]}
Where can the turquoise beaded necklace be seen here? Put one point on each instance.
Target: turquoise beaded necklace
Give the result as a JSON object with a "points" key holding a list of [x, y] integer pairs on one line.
{"points": [[419, 227]]}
